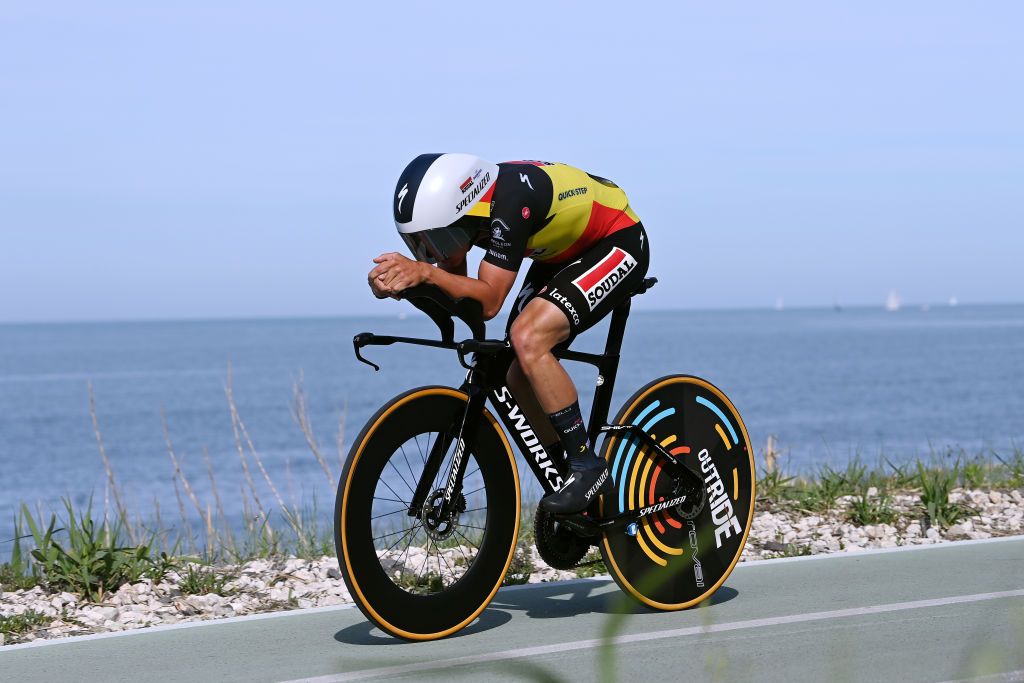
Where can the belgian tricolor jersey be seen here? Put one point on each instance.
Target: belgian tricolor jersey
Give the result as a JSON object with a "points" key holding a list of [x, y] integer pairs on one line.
{"points": [[549, 212]]}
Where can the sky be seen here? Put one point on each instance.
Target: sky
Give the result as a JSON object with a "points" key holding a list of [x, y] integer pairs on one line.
{"points": [[202, 159]]}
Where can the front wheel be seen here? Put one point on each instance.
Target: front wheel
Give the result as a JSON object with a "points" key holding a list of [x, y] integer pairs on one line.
{"points": [[676, 555], [413, 572]]}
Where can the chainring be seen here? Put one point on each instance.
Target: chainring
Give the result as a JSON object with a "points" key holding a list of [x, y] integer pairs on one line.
{"points": [[559, 547]]}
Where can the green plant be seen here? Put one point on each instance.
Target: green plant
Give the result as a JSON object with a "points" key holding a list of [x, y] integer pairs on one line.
{"points": [[820, 494], [199, 580], [773, 486], [91, 560], [17, 624], [13, 578], [1013, 467], [591, 565], [865, 509], [431, 582], [974, 473], [796, 550], [17, 573], [902, 477], [521, 567], [161, 567], [936, 484]]}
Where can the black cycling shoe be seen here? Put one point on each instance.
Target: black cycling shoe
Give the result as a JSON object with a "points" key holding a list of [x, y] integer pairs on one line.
{"points": [[579, 490]]}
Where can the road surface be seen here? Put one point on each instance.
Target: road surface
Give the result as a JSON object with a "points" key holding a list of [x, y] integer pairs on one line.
{"points": [[934, 613]]}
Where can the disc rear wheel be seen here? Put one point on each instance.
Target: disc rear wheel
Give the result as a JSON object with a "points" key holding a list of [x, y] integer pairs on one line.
{"points": [[679, 553]]}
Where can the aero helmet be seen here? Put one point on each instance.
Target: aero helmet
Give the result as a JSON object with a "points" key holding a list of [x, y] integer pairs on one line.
{"points": [[436, 200]]}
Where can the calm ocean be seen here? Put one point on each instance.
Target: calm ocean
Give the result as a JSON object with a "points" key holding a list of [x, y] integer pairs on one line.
{"points": [[828, 385]]}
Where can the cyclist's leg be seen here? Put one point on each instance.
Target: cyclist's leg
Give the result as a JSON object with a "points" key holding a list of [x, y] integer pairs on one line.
{"points": [[536, 277], [570, 301], [576, 298], [528, 403]]}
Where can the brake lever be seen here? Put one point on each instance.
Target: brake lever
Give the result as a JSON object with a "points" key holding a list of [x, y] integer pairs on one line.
{"points": [[359, 356], [365, 339]]}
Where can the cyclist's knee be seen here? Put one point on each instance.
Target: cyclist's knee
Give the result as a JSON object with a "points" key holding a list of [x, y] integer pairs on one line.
{"points": [[537, 330], [524, 338], [530, 341]]}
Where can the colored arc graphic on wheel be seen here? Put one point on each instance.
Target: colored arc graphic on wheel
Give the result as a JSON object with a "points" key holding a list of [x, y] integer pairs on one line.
{"points": [[636, 473]]}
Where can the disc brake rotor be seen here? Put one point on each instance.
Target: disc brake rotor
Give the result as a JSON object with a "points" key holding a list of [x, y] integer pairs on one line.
{"points": [[439, 524]]}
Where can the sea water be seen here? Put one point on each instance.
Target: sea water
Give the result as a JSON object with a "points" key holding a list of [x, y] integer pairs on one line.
{"points": [[827, 385]]}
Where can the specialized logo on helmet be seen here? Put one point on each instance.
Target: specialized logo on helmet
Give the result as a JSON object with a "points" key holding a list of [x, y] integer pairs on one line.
{"points": [[599, 281], [473, 194], [401, 195]]}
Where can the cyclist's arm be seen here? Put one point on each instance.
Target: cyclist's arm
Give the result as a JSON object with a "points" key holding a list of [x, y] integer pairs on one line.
{"points": [[490, 287]]}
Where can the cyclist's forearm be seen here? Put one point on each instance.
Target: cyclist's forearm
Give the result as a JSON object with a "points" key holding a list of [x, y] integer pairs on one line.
{"points": [[457, 286]]}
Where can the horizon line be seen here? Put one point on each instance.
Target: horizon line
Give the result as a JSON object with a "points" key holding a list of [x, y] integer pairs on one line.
{"points": [[909, 306]]}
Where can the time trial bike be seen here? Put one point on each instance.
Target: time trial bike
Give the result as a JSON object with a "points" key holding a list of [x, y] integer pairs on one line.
{"points": [[427, 514]]}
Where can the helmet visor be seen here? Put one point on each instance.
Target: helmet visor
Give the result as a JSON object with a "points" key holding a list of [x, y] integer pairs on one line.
{"points": [[440, 244]]}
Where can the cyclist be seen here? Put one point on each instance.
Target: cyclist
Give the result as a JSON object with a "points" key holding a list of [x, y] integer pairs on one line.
{"points": [[589, 253]]}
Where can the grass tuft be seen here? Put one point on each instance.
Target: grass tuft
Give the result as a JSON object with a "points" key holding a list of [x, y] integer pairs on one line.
{"points": [[18, 624], [199, 580], [88, 557], [936, 484], [865, 509]]}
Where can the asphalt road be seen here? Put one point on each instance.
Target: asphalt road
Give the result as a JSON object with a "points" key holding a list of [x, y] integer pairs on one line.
{"points": [[937, 613]]}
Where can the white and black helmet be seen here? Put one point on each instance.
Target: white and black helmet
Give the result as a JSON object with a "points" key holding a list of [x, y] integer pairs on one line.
{"points": [[434, 203]]}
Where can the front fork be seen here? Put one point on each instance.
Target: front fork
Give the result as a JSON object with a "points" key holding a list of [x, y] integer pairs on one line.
{"points": [[457, 468]]}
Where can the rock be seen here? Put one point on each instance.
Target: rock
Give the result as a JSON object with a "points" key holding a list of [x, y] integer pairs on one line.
{"points": [[978, 534], [279, 594], [872, 491], [995, 496], [957, 530], [932, 534], [294, 564], [105, 613]]}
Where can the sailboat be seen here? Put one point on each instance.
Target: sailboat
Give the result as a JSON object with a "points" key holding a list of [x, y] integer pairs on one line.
{"points": [[892, 302]]}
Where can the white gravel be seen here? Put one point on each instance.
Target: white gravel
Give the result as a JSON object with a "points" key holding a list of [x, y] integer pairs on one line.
{"points": [[289, 583]]}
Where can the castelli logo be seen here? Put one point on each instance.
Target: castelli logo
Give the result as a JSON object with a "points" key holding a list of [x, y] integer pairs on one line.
{"points": [[526, 212]]}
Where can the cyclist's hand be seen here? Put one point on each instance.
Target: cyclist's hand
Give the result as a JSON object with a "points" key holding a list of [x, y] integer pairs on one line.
{"points": [[395, 272], [376, 287]]}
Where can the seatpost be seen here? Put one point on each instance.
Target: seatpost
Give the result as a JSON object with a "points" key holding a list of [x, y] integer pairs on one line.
{"points": [[607, 369]]}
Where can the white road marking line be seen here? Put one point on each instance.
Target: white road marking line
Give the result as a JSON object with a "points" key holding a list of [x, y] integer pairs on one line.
{"points": [[555, 648], [1006, 677]]}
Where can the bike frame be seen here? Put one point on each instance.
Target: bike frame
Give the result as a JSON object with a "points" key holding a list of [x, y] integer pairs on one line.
{"points": [[547, 468], [485, 381]]}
